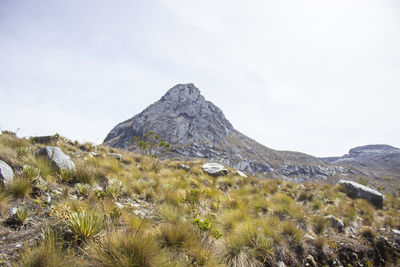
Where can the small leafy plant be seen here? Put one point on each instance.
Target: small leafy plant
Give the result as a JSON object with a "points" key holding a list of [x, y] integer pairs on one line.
{"points": [[114, 188], [83, 189], [21, 214], [85, 224]]}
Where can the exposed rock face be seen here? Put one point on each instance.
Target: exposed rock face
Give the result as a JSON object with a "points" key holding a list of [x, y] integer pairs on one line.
{"points": [[197, 128], [215, 169], [354, 189], [55, 154], [381, 160], [6, 173]]}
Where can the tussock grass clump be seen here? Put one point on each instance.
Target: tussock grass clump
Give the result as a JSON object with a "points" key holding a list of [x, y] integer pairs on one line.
{"points": [[318, 224], [46, 167], [320, 242], [177, 235], [19, 188], [127, 249], [367, 233], [290, 230], [49, 252], [366, 210], [171, 213], [10, 140], [83, 174], [231, 217], [247, 246], [284, 206], [4, 201]]}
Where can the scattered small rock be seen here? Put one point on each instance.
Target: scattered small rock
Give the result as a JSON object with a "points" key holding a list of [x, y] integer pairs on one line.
{"points": [[215, 169], [336, 222], [55, 154], [397, 232], [310, 260], [242, 174], [97, 188], [308, 236], [93, 154], [119, 205], [6, 173], [115, 155], [183, 167]]}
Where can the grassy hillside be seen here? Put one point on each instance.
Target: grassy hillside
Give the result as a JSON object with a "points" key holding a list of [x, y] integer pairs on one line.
{"points": [[139, 211]]}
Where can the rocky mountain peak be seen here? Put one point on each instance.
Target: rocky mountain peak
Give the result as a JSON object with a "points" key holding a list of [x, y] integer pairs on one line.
{"points": [[183, 93], [182, 117], [197, 128]]}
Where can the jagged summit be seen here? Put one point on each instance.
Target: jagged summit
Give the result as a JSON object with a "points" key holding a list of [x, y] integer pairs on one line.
{"points": [[196, 127], [182, 93], [182, 116]]}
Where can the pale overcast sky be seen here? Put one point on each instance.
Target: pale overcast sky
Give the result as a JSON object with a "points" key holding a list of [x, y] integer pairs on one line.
{"points": [[313, 76]]}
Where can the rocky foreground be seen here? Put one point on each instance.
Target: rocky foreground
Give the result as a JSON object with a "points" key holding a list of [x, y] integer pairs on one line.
{"points": [[68, 204]]}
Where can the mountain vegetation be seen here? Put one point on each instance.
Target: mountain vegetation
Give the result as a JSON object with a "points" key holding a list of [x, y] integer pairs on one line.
{"points": [[111, 207]]}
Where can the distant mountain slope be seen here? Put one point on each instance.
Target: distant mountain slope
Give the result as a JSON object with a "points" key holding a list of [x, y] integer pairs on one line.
{"points": [[381, 160], [197, 128]]}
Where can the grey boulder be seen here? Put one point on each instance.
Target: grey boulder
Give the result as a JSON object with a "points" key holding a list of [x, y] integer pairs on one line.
{"points": [[115, 155], [6, 173], [55, 154], [214, 169], [357, 190], [241, 174], [183, 167]]}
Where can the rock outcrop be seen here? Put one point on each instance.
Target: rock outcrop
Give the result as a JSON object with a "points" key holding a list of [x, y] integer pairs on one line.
{"points": [[215, 169], [196, 128], [357, 190], [380, 160], [6, 173], [55, 154]]}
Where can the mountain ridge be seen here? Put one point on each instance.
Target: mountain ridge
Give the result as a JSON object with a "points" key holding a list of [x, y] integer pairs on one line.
{"points": [[197, 128]]}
